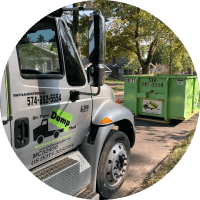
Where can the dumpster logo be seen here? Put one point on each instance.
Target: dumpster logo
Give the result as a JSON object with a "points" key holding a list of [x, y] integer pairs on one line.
{"points": [[60, 119], [180, 81], [153, 107]]}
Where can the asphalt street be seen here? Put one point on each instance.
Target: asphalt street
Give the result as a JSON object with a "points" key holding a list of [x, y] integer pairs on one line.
{"points": [[154, 141]]}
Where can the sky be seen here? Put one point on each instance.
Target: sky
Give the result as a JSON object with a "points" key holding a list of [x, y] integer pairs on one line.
{"points": [[48, 34]]}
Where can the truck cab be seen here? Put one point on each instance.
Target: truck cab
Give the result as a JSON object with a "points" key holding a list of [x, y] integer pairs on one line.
{"points": [[58, 119]]}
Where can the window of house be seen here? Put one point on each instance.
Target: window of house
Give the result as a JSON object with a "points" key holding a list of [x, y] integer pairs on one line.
{"points": [[38, 49], [48, 65], [121, 71]]}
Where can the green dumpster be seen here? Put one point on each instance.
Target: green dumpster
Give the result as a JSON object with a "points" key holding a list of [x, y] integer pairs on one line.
{"points": [[166, 96]]}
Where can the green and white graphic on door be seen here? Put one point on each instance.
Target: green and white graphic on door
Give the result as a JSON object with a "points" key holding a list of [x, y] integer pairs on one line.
{"points": [[153, 107], [60, 119]]}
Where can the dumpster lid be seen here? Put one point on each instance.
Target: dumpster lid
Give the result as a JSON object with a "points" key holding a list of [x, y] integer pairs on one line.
{"points": [[161, 76]]}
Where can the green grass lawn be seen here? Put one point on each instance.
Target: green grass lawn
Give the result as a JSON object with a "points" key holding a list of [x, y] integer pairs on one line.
{"points": [[113, 82], [116, 85], [119, 88]]}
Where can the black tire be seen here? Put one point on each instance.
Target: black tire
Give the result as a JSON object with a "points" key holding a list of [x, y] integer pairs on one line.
{"points": [[56, 134], [40, 139], [106, 183]]}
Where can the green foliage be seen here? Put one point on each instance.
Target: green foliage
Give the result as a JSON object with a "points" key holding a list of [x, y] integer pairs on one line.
{"points": [[83, 48], [161, 55], [173, 53], [52, 47], [135, 34], [134, 64], [187, 62]]}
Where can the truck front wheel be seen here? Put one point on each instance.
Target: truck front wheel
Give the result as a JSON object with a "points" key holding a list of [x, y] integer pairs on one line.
{"points": [[113, 164]]}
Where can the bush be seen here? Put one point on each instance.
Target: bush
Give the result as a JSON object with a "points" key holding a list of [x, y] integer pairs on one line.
{"points": [[115, 78]]}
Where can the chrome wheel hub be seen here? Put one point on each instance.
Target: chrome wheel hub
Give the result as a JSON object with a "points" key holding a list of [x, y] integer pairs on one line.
{"points": [[116, 165]]}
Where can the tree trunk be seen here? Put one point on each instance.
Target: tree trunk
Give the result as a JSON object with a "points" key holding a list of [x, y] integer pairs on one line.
{"points": [[145, 69], [144, 64], [170, 59], [137, 71], [190, 71], [151, 69], [170, 65]]}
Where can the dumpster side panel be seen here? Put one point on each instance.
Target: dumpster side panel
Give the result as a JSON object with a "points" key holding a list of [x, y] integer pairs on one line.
{"points": [[189, 91], [176, 98], [196, 95], [130, 92]]}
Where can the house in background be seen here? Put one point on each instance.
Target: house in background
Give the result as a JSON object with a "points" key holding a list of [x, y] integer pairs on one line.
{"points": [[117, 67], [86, 63], [161, 69], [51, 62], [164, 69]]}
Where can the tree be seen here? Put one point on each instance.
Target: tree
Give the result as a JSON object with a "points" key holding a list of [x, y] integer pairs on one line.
{"points": [[134, 65], [74, 24], [137, 29], [188, 64], [131, 32], [161, 55], [40, 39], [128, 30], [172, 53]]}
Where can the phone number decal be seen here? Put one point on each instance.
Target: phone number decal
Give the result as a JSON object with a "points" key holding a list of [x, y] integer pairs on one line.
{"points": [[43, 99], [147, 84], [152, 82]]}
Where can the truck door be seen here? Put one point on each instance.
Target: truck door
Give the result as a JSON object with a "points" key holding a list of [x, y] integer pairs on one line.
{"points": [[43, 69]]}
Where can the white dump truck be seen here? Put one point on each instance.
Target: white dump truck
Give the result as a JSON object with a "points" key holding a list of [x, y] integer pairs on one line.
{"points": [[58, 119]]}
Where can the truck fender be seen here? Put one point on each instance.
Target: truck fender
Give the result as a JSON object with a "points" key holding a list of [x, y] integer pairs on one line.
{"points": [[92, 152], [112, 110], [119, 115]]}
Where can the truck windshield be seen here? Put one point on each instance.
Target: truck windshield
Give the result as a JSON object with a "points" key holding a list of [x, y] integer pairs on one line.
{"points": [[38, 49]]}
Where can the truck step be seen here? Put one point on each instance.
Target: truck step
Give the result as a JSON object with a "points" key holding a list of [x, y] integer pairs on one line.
{"points": [[68, 174], [88, 194]]}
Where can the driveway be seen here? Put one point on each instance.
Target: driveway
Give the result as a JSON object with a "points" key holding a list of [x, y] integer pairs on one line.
{"points": [[154, 142]]}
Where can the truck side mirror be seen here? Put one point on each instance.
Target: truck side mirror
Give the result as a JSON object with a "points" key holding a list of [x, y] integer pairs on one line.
{"points": [[96, 50], [97, 39], [95, 75]]}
